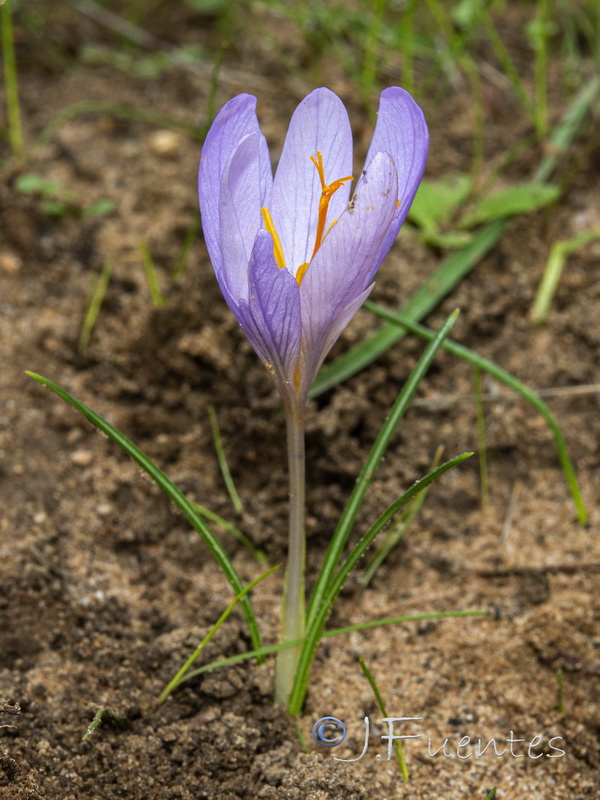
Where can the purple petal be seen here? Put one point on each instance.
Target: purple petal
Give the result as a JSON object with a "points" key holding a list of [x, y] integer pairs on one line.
{"points": [[339, 272], [402, 132], [235, 121], [314, 352], [239, 209], [319, 124], [271, 316]]}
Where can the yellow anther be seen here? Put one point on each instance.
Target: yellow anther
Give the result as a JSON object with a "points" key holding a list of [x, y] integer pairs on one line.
{"points": [[301, 272], [277, 248]]}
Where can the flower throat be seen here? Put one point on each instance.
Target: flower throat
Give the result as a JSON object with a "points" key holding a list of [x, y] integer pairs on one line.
{"points": [[327, 192]]}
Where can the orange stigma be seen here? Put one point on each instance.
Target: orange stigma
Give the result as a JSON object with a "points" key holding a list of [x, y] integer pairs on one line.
{"points": [[327, 192]]}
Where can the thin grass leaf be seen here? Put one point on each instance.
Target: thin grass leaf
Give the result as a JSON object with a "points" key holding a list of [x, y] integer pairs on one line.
{"points": [[560, 691], [94, 307], [258, 554], [554, 268], [372, 49], [321, 612], [223, 465], [381, 705], [158, 298], [407, 45], [391, 539], [506, 62], [188, 243], [13, 106], [492, 794], [305, 748], [539, 32], [566, 130], [450, 272], [508, 380], [465, 63], [396, 533], [270, 650], [186, 506], [98, 716], [459, 264], [180, 57], [378, 623], [355, 501], [481, 444], [180, 674], [213, 87]]}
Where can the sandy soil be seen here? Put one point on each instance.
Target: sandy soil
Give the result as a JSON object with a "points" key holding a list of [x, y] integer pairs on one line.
{"points": [[104, 588]]}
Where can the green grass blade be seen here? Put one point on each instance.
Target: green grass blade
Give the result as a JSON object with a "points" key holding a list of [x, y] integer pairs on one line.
{"points": [[560, 688], [213, 88], [556, 262], [180, 674], [461, 60], [508, 380], [270, 650], [342, 531], [397, 532], [566, 130], [367, 539], [188, 243], [223, 465], [97, 721], [186, 506], [539, 34], [158, 298], [94, 307], [378, 623], [381, 705], [407, 45], [254, 551], [329, 595], [445, 278], [481, 443], [372, 49], [506, 62], [13, 107], [492, 794], [305, 748]]}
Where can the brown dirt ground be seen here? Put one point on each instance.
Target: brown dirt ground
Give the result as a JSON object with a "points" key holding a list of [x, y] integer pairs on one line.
{"points": [[104, 589]]}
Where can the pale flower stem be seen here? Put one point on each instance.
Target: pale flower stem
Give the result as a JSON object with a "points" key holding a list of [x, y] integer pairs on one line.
{"points": [[293, 613]]}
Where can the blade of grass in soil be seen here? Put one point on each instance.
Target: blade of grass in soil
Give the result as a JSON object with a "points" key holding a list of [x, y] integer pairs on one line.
{"points": [[508, 380], [187, 507]]}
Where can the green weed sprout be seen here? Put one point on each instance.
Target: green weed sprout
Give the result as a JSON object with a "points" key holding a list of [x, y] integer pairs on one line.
{"points": [[13, 106]]}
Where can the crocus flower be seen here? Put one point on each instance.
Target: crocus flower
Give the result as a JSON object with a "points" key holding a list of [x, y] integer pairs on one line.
{"points": [[295, 255]]}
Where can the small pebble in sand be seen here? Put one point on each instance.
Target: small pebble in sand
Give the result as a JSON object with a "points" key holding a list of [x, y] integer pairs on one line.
{"points": [[165, 143]]}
